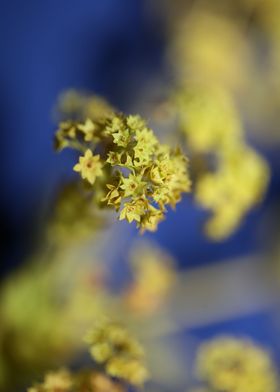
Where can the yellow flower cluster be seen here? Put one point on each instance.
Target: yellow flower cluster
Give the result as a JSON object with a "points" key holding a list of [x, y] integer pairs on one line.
{"points": [[121, 355], [236, 365], [125, 162], [84, 381], [233, 177]]}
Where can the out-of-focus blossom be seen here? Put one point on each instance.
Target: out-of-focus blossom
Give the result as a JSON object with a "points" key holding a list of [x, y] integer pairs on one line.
{"points": [[238, 184], [210, 47], [73, 217], [232, 177], [153, 278], [236, 365], [120, 354], [83, 381]]}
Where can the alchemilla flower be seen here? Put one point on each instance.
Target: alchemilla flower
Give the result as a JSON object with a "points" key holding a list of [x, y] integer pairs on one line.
{"points": [[89, 166], [130, 170]]}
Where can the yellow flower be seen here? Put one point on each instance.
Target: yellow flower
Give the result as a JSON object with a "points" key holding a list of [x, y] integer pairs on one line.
{"points": [[146, 138], [155, 175], [113, 197], [114, 158], [133, 210], [121, 138], [135, 122], [133, 185], [151, 220], [115, 125], [142, 156], [89, 166]]}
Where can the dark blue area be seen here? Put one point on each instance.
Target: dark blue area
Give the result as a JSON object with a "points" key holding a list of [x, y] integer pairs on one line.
{"points": [[47, 47]]}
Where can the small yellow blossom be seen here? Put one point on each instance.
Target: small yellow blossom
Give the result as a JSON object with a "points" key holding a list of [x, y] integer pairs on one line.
{"points": [[142, 156], [114, 158], [121, 138], [89, 166], [113, 197], [133, 210], [133, 186], [135, 122], [145, 137], [115, 125], [151, 220]]}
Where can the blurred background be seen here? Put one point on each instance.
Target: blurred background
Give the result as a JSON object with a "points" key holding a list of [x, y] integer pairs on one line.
{"points": [[135, 54]]}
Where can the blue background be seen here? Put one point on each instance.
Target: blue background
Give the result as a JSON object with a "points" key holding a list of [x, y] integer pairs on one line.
{"points": [[111, 48]]}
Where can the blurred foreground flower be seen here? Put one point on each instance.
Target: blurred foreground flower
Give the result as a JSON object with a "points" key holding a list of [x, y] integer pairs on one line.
{"points": [[233, 177], [154, 276], [44, 310], [123, 357], [236, 365], [83, 381], [73, 216]]}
